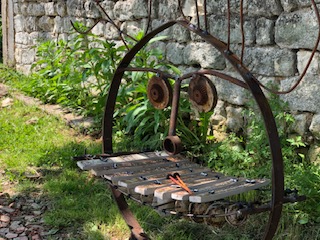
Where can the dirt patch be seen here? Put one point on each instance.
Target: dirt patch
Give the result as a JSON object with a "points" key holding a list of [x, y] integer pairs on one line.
{"points": [[21, 218]]}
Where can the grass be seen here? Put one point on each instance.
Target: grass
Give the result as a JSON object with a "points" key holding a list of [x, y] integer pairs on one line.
{"points": [[33, 142]]}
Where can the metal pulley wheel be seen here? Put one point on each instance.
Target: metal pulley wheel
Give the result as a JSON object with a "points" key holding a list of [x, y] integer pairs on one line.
{"points": [[202, 93], [215, 209], [198, 209], [159, 92], [237, 218]]}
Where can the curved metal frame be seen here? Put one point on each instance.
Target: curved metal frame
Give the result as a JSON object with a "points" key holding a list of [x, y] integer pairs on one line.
{"points": [[250, 82]]}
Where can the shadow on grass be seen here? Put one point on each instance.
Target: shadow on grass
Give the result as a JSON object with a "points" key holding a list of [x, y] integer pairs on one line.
{"points": [[82, 201]]}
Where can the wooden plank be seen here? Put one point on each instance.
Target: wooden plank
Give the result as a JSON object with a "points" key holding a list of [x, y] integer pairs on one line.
{"points": [[115, 175], [169, 186], [208, 187], [90, 164], [244, 186], [144, 175], [160, 176], [156, 181], [97, 164], [166, 192], [138, 156], [132, 158]]}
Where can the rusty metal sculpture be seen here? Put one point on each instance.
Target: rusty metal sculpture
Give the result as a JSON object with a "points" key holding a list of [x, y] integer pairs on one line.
{"points": [[203, 96]]}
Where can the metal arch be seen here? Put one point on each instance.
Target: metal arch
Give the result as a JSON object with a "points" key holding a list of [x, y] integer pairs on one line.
{"points": [[251, 82]]}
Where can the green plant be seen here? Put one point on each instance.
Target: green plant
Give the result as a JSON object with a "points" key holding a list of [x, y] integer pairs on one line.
{"points": [[75, 73], [136, 119], [249, 156]]}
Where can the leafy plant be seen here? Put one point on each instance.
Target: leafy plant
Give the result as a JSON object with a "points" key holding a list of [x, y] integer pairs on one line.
{"points": [[249, 156], [75, 73], [137, 120]]}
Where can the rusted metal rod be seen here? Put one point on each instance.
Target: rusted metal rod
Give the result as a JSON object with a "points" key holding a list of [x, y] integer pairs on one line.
{"points": [[174, 107], [158, 71]]}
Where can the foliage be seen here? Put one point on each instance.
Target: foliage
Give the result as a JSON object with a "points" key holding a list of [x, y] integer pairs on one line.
{"points": [[75, 73], [249, 156], [84, 206], [137, 120]]}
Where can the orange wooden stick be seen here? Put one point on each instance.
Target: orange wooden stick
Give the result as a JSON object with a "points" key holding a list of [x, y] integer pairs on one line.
{"points": [[181, 184], [185, 185]]}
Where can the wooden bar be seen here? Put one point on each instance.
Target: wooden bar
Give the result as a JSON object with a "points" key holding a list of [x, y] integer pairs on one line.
{"points": [[96, 163], [117, 174], [148, 187], [208, 187], [244, 186], [166, 192], [144, 175], [99, 165], [160, 176]]}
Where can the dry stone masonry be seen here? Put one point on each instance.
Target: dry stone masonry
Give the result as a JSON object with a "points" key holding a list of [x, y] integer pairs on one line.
{"points": [[280, 35]]}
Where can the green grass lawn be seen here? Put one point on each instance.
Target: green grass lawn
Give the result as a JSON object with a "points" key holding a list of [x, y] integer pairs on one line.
{"points": [[33, 142]]}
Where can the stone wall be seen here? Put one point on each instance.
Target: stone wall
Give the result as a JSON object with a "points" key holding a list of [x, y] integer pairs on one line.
{"points": [[280, 35]]}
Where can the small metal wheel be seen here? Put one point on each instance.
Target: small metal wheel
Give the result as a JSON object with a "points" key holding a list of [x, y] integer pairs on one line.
{"points": [[159, 92], [198, 209], [237, 218], [202, 93], [215, 210]]}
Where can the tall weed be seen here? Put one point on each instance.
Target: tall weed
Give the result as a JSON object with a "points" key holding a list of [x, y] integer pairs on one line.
{"points": [[75, 73]]}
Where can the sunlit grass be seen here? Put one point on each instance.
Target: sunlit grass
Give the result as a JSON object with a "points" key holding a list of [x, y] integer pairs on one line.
{"points": [[32, 142]]}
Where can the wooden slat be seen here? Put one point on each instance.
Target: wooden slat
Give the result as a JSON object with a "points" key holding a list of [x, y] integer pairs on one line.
{"points": [[198, 183], [126, 173], [136, 168], [147, 187], [89, 164], [144, 174], [153, 188], [124, 179], [97, 163], [160, 176], [220, 193], [204, 188]]}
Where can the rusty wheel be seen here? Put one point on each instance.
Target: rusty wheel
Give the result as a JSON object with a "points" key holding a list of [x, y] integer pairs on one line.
{"points": [[202, 93], [159, 92]]}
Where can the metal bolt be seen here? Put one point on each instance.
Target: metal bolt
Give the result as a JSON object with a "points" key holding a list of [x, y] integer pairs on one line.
{"points": [[143, 178], [157, 182], [252, 181]]}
